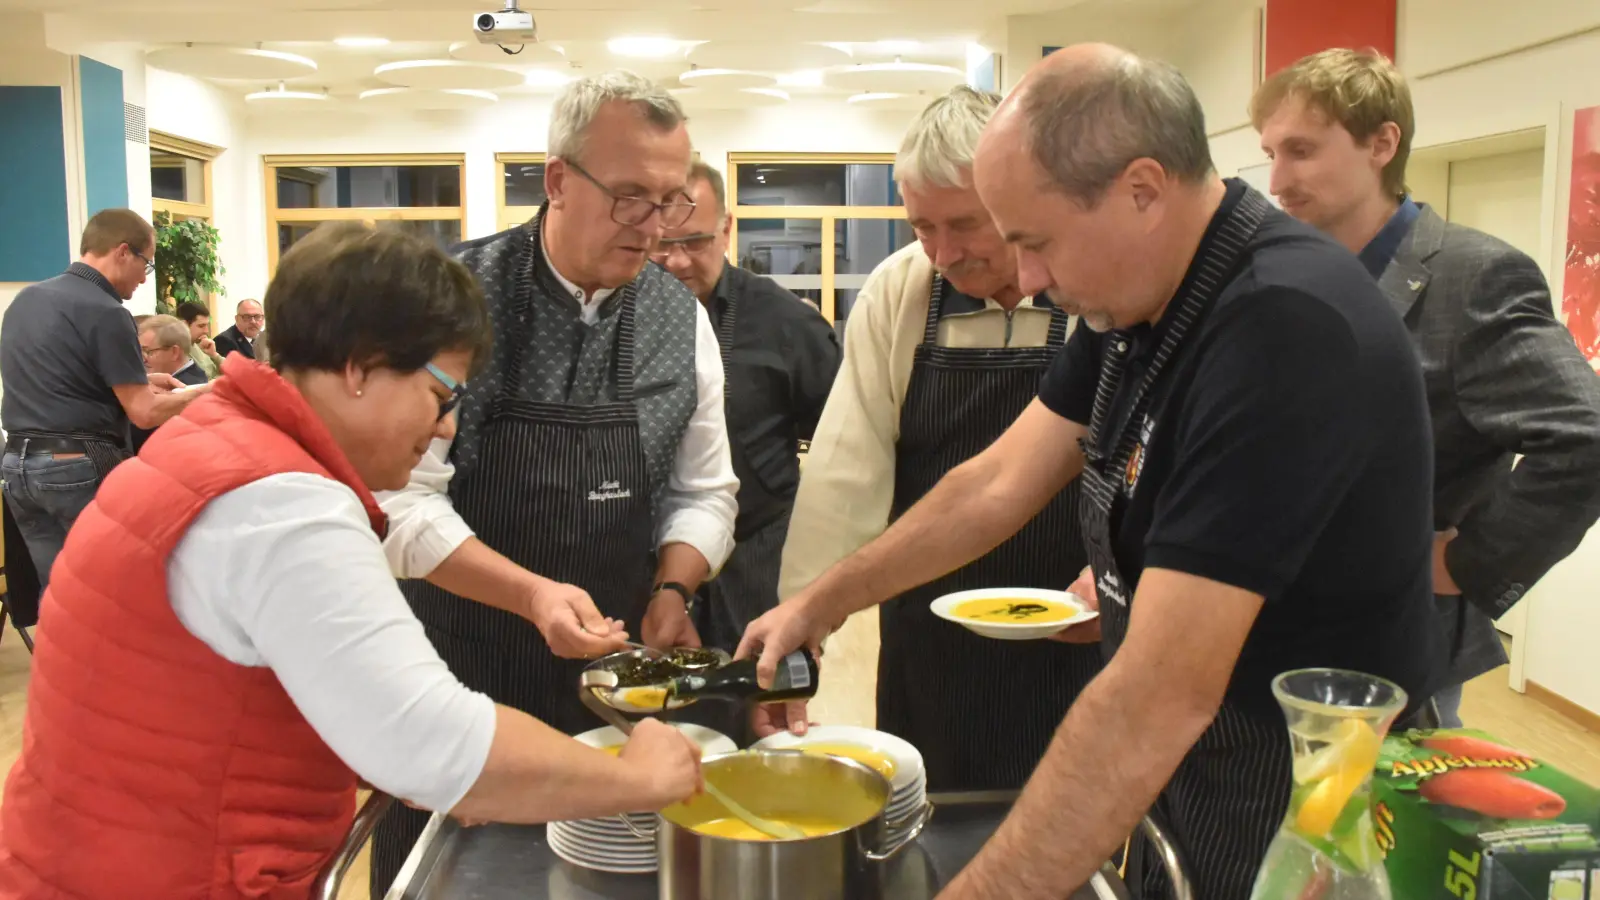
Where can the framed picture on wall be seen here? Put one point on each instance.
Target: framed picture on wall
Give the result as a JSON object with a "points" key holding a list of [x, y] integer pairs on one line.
{"points": [[1580, 288]]}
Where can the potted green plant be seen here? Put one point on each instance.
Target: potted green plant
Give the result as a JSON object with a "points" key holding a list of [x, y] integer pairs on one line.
{"points": [[186, 262]]}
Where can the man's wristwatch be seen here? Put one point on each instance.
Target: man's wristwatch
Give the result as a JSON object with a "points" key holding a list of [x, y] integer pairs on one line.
{"points": [[679, 589]]}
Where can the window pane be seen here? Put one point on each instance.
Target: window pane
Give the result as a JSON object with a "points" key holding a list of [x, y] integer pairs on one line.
{"points": [[290, 233], [174, 177], [445, 232], [382, 187], [788, 250], [817, 184], [859, 246], [524, 184]]}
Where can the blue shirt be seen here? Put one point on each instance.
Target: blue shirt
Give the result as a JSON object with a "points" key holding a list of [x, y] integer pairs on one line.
{"points": [[1380, 251]]}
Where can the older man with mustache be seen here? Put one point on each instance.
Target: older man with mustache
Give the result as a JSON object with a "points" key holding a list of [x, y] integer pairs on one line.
{"points": [[943, 351]]}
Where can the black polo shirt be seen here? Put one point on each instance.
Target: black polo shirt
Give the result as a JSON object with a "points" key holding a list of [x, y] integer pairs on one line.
{"points": [[68, 342], [782, 361], [1289, 454]]}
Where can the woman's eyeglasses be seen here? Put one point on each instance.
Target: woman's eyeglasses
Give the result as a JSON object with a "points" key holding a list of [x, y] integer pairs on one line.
{"points": [[635, 211], [457, 390]]}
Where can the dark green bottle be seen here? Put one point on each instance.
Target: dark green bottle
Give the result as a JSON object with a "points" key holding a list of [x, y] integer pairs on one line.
{"points": [[796, 680]]}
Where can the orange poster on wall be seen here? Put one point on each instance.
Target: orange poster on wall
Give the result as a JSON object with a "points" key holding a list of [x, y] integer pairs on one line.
{"points": [[1580, 295]]}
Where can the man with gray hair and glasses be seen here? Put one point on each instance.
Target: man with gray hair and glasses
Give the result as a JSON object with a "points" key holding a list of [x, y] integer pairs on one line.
{"points": [[943, 350], [1247, 420], [589, 489]]}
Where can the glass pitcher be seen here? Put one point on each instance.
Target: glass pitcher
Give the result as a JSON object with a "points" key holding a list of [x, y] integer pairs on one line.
{"points": [[1326, 848]]}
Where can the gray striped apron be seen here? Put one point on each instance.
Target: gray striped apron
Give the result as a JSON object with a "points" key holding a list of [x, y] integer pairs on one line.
{"points": [[946, 690], [1227, 797], [562, 490]]}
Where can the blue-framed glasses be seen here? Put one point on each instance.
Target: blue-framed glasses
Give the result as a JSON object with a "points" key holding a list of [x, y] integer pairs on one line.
{"points": [[457, 390]]}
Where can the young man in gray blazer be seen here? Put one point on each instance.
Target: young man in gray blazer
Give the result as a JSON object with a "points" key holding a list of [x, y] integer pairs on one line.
{"points": [[1504, 377]]}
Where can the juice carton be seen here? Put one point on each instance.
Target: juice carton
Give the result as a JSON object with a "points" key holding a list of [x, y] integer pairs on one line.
{"points": [[1460, 816]]}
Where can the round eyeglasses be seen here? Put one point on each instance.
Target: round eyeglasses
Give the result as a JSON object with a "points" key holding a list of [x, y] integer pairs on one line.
{"points": [[635, 211]]}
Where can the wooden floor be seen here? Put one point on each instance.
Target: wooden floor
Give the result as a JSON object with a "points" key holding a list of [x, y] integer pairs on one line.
{"points": [[849, 668]]}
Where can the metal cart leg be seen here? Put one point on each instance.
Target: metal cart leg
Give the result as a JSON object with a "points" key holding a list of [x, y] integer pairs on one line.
{"points": [[1170, 859], [367, 818]]}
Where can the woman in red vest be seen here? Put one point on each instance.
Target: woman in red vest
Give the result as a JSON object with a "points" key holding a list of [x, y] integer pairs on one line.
{"points": [[223, 651]]}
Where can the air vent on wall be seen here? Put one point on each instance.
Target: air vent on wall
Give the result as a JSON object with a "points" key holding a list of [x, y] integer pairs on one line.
{"points": [[134, 125]]}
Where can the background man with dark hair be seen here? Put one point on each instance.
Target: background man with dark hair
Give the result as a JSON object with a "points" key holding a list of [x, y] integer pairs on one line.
{"points": [[74, 380], [202, 349], [1247, 419], [779, 356]]}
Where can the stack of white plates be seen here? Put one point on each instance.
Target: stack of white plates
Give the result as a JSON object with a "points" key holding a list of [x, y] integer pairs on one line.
{"points": [[909, 781], [607, 844]]}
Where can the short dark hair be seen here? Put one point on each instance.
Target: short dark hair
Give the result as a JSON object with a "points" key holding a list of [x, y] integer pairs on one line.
{"points": [[1087, 125], [189, 310], [347, 294], [699, 170], [109, 229]]}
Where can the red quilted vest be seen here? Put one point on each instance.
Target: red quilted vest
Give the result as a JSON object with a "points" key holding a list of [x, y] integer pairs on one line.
{"points": [[151, 767]]}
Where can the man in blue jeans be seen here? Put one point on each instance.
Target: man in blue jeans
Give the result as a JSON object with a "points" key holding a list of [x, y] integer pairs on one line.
{"points": [[74, 379]]}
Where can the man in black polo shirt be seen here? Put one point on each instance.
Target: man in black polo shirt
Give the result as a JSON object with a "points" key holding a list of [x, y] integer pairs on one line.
{"points": [[74, 378], [779, 356], [1248, 419]]}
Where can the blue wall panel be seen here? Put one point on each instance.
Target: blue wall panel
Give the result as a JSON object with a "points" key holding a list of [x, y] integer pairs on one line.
{"points": [[105, 152], [34, 243]]}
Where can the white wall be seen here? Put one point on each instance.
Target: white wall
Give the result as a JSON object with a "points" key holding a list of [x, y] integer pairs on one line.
{"points": [[189, 108], [514, 125]]}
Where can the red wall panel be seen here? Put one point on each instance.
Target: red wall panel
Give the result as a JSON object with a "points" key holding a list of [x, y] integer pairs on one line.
{"points": [[1297, 28]]}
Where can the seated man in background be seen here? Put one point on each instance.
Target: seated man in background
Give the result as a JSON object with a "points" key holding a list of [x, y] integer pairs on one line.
{"points": [[201, 348], [164, 340], [244, 335], [943, 351], [1504, 377]]}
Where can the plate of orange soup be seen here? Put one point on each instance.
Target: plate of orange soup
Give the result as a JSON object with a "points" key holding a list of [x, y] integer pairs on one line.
{"points": [[1013, 614]]}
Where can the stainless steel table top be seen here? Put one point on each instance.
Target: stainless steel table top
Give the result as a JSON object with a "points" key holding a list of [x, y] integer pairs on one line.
{"points": [[514, 862]]}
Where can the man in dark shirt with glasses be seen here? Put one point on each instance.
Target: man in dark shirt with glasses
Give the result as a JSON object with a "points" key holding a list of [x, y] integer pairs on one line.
{"points": [[74, 379], [780, 356]]}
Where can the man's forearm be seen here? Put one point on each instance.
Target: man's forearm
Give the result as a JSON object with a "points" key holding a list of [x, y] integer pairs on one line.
{"points": [[478, 573], [1109, 760], [681, 563]]}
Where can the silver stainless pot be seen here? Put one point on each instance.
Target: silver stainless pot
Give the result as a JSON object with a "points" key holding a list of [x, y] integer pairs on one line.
{"points": [[844, 864]]}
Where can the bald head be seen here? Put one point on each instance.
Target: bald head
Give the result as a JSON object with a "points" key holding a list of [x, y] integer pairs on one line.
{"points": [[1086, 111]]}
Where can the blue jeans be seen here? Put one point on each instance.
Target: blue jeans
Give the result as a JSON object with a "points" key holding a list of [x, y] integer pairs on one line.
{"points": [[46, 495]]}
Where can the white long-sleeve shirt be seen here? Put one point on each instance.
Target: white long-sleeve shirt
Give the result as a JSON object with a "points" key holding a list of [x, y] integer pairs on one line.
{"points": [[286, 573], [698, 506]]}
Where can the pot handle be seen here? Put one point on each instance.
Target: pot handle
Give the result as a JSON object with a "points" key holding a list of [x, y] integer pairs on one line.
{"points": [[919, 819], [637, 831]]}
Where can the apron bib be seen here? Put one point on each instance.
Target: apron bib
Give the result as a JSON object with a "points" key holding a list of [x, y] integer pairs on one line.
{"points": [[1228, 796], [946, 690], [564, 491]]}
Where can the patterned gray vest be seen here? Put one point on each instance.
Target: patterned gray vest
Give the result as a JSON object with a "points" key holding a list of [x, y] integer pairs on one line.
{"points": [[543, 343]]}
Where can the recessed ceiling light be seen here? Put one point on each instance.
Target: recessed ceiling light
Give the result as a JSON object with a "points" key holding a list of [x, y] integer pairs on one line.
{"points": [[872, 97], [361, 42], [644, 47], [804, 78]]}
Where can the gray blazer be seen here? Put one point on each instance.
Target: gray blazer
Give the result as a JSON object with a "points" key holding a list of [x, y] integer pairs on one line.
{"points": [[1504, 377]]}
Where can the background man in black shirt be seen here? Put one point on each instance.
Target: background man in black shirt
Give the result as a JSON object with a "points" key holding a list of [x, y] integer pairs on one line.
{"points": [[74, 379], [1248, 420], [1504, 377], [780, 356]]}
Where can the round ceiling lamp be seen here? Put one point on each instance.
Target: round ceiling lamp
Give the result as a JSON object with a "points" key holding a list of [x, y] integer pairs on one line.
{"points": [[727, 79], [518, 55], [242, 63], [412, 98], [745, 98], [767, 56], [447, 75], [895, 78], [286, 100]]}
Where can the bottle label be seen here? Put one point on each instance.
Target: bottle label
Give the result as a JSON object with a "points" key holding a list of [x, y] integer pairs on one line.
{"points": [[798, 673]]}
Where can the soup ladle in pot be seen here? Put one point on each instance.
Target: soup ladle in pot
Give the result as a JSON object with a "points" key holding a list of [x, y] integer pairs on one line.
{"points": [[600, 679]]}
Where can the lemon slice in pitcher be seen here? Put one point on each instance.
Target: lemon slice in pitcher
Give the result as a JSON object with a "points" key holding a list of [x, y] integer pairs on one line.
{"points": [[1339, 771]]}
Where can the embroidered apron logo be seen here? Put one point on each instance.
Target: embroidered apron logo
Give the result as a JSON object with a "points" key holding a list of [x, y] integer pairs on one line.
{"points": [[1130, 477], [610, 490], [1108, 585]]}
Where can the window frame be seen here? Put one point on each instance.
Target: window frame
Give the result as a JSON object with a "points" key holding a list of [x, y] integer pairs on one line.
{"points": [[509, 217], [827, 216], [370, 215], [180, 210]]}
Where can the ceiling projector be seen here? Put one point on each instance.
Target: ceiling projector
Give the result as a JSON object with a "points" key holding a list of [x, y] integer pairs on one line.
{"points": [[508, 26]]}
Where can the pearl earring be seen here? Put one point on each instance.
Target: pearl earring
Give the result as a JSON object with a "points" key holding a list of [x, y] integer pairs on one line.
{"points": [[358, 393]]}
